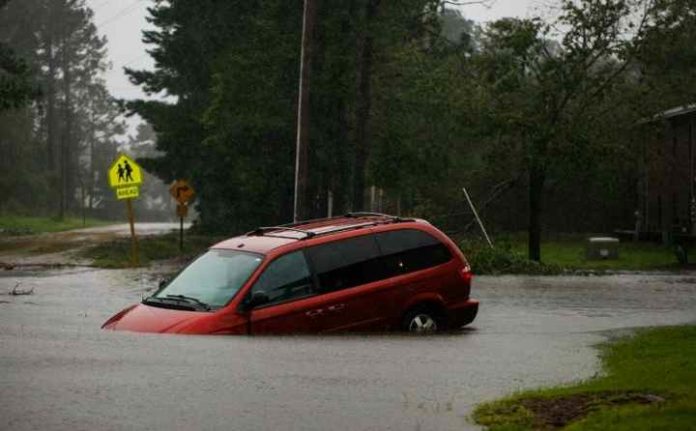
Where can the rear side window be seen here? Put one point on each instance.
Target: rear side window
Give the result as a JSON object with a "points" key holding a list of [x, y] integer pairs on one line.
{"points": [[410, 250], [285, 278], [343, 264]]}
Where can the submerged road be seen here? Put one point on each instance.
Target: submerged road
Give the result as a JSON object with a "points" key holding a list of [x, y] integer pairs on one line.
{"points": [[60, 371]]}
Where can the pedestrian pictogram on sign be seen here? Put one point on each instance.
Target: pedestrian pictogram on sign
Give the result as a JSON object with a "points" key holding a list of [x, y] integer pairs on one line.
{"points": [[125, 172]]}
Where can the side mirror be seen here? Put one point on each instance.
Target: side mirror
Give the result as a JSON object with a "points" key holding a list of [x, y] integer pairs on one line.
{"points": [[162, 283], [256, 300]]}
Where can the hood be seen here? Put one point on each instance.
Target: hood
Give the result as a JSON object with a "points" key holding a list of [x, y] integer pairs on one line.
{"points": [[145, 318]]}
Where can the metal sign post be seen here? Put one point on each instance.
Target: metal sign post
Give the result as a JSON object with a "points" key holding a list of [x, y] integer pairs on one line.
{"points": [[135, 253], [183, 193]]}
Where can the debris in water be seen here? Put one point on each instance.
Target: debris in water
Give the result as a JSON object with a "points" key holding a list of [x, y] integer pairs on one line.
{"points": [[16, 291]]}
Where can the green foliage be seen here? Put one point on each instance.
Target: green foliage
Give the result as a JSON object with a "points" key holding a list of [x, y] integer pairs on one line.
{"points": [[54, 147], [562, 255], [656, 362], [537, 118], [15, 85], [541, 95], [232, 129], [503, 259]]}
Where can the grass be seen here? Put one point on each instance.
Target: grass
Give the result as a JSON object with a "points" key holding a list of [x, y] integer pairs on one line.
{"points": [[509, 256], [116, 254], [649, 383], [21, 225], [632, 256]]}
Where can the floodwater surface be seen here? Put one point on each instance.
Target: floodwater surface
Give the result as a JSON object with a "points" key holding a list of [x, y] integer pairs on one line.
{"points": [[60, 371]]}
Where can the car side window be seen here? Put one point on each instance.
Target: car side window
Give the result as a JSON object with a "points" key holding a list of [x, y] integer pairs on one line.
{"points": [[347, 263], [286, 278], [409, 250]]}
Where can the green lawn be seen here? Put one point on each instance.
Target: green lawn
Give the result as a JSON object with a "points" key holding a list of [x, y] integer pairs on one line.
{"points": [[632, 256], [21, 225], [649, 383], [509, 256], [116, 254]]}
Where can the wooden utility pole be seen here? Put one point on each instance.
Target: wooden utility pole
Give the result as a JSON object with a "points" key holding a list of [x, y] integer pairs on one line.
{"points": [[363, 104], [302, 149]]}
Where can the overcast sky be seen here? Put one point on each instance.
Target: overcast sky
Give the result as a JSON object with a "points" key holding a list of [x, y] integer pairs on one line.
{"points": [[122, 21]]}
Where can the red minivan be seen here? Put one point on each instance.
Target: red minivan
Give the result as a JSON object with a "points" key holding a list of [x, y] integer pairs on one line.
{"points": [[358, 272]]}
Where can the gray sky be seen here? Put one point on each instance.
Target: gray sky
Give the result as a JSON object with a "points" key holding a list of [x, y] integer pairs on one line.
{"points": [[122, 21]]}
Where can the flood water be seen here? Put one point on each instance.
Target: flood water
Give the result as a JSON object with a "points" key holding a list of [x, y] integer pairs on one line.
{"points": [[60, 371]]}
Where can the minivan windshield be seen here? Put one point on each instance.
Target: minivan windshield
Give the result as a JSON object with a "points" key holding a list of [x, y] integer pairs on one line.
{"points": [[210, 281]]}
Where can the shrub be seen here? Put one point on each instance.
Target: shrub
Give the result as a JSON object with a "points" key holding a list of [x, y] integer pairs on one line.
{"points": [[502, 259]]}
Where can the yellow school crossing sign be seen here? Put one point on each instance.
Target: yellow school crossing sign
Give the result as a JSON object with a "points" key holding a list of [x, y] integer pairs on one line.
{"points": [[125, 176]]}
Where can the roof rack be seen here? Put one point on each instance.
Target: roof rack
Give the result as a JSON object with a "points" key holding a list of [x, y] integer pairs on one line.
{"points": [[366, 213], [301, 222], [310, 234], [263, 229], [374, 214]]}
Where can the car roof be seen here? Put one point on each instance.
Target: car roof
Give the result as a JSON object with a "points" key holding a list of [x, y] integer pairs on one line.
{"points": [[266, 239]]}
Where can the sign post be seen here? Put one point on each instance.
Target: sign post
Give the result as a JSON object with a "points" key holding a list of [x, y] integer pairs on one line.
{"points": [[183, 193], [125, 177], [135, 255]]}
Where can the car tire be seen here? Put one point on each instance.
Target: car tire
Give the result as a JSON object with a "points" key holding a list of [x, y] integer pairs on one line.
{"points": [[422, 320]]}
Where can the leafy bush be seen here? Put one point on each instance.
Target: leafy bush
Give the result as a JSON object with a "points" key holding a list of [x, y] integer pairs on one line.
{"points": [[502, 259]]}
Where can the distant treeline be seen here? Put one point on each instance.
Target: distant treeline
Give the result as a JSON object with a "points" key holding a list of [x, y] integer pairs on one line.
{"points": [[59, 126], [57, 136]]}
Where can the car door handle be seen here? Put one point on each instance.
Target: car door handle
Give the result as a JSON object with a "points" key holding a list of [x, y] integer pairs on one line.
{"points": [[337, 307], [315, 313]]}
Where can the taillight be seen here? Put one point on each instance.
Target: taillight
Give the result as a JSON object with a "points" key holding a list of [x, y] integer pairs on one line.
{"points": [[466, 274]]}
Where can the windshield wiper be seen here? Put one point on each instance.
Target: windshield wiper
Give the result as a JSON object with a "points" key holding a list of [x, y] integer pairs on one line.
{"points": [[190, 299], [168, 303]]}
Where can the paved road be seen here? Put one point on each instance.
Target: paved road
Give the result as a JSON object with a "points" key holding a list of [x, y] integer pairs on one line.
{"points": [[59, 371], [123, 229]]}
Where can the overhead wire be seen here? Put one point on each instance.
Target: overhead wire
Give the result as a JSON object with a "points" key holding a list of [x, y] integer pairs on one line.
{"points": [[120, 14]]}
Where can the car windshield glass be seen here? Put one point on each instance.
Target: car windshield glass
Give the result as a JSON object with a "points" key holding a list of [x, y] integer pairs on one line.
{"points": [[212, 279]]}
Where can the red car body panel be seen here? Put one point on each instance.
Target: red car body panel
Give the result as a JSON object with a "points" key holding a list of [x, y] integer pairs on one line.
{"points": [[377, 305]]}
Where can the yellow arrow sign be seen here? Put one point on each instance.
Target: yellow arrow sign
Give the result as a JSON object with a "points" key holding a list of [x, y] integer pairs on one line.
{"points": [[125, 172], [182, 191]]}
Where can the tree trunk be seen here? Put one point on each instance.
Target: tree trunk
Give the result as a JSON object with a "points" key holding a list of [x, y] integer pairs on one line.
{"points": [[363, 106], [91, 171], [51, 155], [537, 177], [66, 171]]}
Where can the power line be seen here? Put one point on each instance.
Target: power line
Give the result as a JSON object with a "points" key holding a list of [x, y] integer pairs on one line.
{"points": [[133, 60], [98, 5], [120, 14]]}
